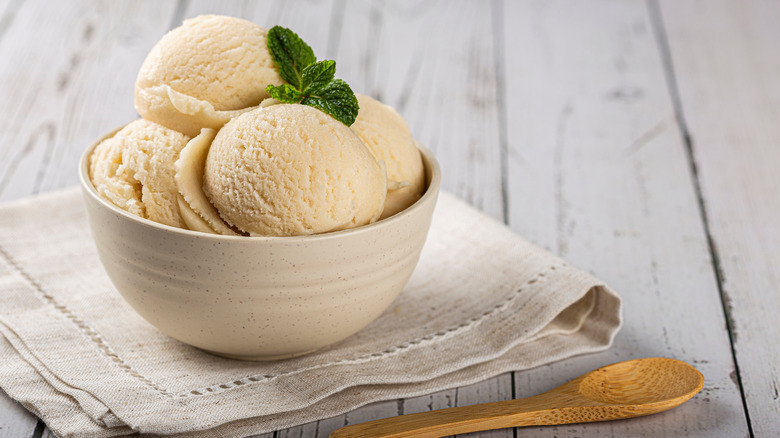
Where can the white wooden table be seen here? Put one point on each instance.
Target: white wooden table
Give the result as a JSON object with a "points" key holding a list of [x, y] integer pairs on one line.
{"points": [[637, 140]]}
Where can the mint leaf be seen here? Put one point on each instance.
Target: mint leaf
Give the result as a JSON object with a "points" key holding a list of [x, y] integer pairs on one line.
{"points": [[317, 75], [290, 53], [337, 99], [284, 93], [308, 82]]}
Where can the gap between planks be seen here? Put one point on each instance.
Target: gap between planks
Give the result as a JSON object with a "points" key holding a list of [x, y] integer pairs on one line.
{"points": [[656, 19]]}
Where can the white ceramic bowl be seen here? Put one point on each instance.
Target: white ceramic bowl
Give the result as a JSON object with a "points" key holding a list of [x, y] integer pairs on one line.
{"points": [[259, 298]]}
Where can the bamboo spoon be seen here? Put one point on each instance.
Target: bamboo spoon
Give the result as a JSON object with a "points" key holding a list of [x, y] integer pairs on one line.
{"points": [[621, 390]]}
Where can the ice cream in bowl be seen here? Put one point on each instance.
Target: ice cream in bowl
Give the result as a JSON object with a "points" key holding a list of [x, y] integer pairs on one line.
{"points": [[271, 230], [261, 297]]}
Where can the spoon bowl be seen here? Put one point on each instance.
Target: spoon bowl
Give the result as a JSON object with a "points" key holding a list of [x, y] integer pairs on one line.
{"points": [[622, 390], [641, 381]]}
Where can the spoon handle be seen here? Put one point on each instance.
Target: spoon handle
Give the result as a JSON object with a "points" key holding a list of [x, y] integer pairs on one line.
{"points": [[530, 411]]}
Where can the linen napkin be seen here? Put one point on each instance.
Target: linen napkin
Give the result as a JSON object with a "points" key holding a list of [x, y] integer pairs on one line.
{"points": [[481, 302]]}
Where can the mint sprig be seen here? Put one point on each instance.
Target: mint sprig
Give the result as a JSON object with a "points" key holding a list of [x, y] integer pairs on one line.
{"points": [[309, 82]]}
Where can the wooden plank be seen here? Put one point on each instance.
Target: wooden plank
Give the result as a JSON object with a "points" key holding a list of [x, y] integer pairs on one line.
{"points": [[5, 6], [434, 62], [309, 18], [15, 421], [597, 172], [726, 63], [70, 82], [8, 10]]}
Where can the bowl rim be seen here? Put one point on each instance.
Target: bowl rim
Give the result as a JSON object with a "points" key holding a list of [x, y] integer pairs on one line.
{"points": [[432, 189]]}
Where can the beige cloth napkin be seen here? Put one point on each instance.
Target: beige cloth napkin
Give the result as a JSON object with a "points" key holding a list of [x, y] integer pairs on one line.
{"points": [[482, 301]]}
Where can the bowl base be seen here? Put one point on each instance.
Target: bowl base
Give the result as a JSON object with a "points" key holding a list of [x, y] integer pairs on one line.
{"points": [[260, 358]]}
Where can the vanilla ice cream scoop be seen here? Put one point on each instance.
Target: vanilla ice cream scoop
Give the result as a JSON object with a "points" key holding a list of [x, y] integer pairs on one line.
{"points": [[389, 139], [134, 169], [290, 170], [204, 72]]}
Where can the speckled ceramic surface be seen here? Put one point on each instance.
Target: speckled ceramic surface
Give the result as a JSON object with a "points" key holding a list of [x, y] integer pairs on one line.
{"points": [[259, 297]]}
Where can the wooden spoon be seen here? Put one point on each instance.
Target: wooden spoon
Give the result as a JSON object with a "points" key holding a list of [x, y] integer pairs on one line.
{"points": [[621, 390]]}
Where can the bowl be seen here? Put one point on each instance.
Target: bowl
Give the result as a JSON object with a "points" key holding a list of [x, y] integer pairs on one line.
{"points": [[259, 298]]}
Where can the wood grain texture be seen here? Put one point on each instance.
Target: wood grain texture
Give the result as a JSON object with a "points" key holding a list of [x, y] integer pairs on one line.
{"points": [[8, 10], [435, 63], [60, 81], [598, 173], [622, 390], [726, 64]]}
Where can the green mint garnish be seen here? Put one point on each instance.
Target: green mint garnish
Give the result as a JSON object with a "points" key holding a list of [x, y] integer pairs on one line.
{"points": [[336, 99], [290, 53], [285, 93], [309, 82], [317, 75]]}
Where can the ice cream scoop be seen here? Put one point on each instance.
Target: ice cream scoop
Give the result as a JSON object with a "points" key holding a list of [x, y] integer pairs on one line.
{"points": [[134, 169], [204, 72], [289, 170], [389, 139], [196, 211]]}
